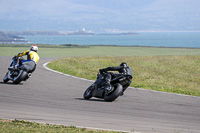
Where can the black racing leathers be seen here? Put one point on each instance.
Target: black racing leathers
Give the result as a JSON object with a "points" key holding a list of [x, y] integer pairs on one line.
{"points": [[121, 69]]}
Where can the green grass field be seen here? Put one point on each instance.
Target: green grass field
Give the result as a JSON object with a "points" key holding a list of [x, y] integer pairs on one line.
{"points": [[77, 51]]}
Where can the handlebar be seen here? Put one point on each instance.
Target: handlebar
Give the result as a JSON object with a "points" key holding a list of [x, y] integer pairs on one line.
{"points": [[102, 72]]}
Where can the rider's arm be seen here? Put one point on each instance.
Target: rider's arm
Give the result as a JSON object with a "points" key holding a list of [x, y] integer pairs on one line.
{"points": [[117, 68], [23, 53]]}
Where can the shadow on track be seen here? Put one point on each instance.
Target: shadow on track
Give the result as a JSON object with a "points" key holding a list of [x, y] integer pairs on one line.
{"points": [[10, 83], [97, 100]]}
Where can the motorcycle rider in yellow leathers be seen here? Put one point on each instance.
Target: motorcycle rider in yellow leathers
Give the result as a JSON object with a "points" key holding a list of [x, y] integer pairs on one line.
{"points": [[30, 63]]}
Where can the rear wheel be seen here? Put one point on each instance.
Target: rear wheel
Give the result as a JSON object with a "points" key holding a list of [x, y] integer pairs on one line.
{"points": [[21, 76], [115, 94], [88, 93]]}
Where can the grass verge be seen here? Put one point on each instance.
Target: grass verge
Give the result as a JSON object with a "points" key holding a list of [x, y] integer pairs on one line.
{"points": [[176, 74], [23, 126]]}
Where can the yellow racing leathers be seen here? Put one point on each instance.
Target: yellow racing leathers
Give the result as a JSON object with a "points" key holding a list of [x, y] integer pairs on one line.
{"points": [[31, 55], [32, 59]]}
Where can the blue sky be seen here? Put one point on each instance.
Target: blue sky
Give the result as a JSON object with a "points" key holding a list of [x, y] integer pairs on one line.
{"points": [[100, 15]]}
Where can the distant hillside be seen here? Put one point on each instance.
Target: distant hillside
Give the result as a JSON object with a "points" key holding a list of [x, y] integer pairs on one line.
{"points": [[35, 33], [56, 33], [10, 38]]}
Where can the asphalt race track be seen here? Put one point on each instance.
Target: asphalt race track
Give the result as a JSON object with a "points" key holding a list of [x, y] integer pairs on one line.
{"points": [[50, 97]]}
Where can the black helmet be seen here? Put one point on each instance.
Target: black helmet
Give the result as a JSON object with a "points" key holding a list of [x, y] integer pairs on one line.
{"points": [[123, 64]]}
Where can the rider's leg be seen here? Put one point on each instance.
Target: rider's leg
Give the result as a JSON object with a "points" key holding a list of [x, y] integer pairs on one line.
{"points": [[107, 79], [28, 65], [14, 62]]}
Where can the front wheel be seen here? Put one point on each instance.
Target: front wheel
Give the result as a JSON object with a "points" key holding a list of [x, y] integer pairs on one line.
{"points": [[115, 94], [88, 93], [21, 76], [5, 79]]}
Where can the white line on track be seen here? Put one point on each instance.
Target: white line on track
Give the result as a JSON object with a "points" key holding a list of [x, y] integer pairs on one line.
{"points": [[45, 66]]}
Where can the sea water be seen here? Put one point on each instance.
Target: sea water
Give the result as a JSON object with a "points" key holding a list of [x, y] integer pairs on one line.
{"points": [[155, 39]]}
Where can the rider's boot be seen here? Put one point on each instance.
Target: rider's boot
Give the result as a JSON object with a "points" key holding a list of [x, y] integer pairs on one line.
{"points": [[108, 87], [11, 68]]}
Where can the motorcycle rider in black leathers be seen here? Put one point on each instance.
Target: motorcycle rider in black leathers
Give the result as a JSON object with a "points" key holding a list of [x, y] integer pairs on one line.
{"points": [[123, 69]]}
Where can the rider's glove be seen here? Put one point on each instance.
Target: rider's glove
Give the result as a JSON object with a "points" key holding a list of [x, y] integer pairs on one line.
{"points": [[101, 70]]}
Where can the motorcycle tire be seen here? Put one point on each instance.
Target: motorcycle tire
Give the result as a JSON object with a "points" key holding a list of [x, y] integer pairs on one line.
{"points": [[21, 76], [115, 94], [5, 79], [88, 93]]}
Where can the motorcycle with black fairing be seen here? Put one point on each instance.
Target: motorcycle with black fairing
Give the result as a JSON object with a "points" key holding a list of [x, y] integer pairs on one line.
{"points": [[19, 73], [97, 89]]}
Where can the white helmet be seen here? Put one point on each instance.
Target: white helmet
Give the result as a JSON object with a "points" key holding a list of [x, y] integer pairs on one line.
{"points": [[34, 48]]}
